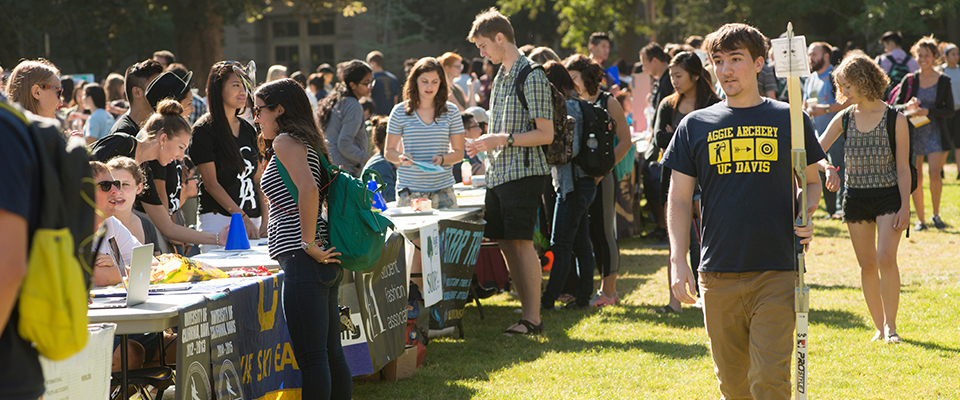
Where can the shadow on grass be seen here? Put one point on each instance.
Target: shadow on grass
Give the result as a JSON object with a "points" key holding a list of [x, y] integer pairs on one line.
{"points": [[814, 286], [831, 231], [688, 318], [838, 319], [932, 346]]}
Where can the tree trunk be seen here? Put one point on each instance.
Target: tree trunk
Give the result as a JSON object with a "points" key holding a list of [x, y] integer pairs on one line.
{"points": [[199, 36]]}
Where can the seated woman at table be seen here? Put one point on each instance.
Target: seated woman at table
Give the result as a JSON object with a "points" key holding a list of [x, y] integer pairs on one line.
{"points": [[386, 169], [132, 182], [430, 131], [164, 138], [139, 347], [298, 237]]}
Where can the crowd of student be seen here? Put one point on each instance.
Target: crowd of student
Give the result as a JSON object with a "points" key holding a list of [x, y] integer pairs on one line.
{"points": [[173, 167]]}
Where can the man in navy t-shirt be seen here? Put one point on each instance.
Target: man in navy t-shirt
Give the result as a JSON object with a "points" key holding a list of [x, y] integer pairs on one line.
{"points": [[739, 150], [386, 88], [20, 373]]}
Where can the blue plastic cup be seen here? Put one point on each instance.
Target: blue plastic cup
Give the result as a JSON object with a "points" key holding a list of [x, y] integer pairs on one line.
{"points": [[378, 201], [237, 235]]}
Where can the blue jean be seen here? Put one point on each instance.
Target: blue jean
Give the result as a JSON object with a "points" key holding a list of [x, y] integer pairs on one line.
{"points": [[571, 236], [313, 318]]}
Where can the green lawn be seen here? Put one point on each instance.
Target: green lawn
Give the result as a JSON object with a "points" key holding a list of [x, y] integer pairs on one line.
{"points": [[627, 352]]}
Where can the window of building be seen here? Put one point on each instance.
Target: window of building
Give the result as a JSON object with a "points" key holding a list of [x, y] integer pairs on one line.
{"points": [[324, 27], [286, 29], [321, 53], [288, 56]]}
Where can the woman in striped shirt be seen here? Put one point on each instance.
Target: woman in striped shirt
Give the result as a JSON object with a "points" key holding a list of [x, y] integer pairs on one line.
{"points": [[298, 237], [429, 129]]}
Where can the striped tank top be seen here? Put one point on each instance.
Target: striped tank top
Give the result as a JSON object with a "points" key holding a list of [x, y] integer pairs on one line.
{"points": [[283, 227], [870, 163]]}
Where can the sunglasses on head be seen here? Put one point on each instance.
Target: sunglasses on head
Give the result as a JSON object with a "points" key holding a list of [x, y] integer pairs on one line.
{"points": [[105, 185], [59, 89]]}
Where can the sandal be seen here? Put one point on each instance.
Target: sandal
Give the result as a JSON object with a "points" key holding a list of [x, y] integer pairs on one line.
{"points": [[894, 338], [665, 310], [531, 329]]}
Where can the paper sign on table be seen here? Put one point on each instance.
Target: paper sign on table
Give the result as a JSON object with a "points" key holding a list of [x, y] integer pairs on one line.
{"points": [[790, 58], [85, 375], [430, 257]]}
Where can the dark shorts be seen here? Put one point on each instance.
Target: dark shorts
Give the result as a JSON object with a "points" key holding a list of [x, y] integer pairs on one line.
{"points": [[511, 208], [865, 205]]}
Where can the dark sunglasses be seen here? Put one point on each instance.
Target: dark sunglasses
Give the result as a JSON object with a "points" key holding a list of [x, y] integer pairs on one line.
{"points": [[256, 110], [59, 89], [105, 185]]}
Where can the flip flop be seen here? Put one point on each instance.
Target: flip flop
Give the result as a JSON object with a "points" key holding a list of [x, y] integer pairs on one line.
{"points": [[665, 310], [893, 339]]}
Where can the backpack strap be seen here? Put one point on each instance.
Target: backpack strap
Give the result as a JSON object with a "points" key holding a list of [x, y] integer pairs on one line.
{"points": [[845, 119], [521, 79], [892, 129]]}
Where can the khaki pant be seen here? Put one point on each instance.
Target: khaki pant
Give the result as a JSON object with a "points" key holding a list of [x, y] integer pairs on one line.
{"points": [[750, 320]]}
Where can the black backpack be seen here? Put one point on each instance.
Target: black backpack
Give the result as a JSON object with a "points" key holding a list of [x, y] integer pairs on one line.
{"points": [[891, 138], [898, 70], [560, 151], [596, 157]]}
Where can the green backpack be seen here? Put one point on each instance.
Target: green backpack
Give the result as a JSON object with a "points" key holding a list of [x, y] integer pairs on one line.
{"points": [[356, 230]]}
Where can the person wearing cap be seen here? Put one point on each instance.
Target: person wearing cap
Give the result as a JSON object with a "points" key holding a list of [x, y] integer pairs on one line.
{"points": [[481, 116], [326, 72], [135, 83]]}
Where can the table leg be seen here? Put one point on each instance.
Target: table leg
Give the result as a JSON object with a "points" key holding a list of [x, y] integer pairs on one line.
{"points": [[123, 367]]}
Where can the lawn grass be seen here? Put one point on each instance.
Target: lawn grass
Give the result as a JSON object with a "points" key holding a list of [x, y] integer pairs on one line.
{"points": [[627, 352]]}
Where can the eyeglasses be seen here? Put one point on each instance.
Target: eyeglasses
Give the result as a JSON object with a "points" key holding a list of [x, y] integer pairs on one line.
{"points": [[369, 85], [474, 126], [256, 110], [105, 185], [59, 89], [193, 179]]}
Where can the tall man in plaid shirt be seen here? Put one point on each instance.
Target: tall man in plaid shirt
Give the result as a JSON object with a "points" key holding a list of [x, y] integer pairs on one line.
{"points": [[517, 170]]}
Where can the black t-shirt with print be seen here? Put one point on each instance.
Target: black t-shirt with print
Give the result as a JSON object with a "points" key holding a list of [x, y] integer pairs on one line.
{"points": [[171, 175], [237, 184], [122, 144], [741, 159]]}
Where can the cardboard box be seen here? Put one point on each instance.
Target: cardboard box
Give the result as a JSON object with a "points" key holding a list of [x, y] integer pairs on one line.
{"points": [[403, 367]]}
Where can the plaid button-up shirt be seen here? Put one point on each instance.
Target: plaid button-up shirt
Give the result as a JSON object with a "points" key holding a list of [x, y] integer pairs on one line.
{"points": [[507, 115]]}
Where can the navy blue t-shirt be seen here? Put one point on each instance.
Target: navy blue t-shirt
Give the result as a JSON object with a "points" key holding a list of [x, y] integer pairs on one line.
{"points": [[741, 158], [385, 89], [20, 373]]}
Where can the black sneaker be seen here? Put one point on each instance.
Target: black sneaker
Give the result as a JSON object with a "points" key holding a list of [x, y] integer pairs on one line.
{"points": [[576, 306], [937, 223], [919, 226]]}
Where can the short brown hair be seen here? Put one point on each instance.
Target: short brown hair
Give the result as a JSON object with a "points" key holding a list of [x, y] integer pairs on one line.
{"points": [[128, 164], [590, 72], [731, 37], [375, 57], [488, 24], [929, 43], [98, 168], [448, 58], [861, 72]]}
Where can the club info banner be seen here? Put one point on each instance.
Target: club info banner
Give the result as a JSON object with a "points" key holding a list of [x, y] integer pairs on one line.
{"points": [[382, 297], [459, 249]]}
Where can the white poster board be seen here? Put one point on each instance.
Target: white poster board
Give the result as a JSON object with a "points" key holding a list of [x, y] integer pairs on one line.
{"points": [[790, 57], [85, 375], [430, 256]]}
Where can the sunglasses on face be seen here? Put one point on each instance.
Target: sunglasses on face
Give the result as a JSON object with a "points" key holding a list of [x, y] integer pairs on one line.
{"points": [[105, 185], [59, 89], [256, 110]]}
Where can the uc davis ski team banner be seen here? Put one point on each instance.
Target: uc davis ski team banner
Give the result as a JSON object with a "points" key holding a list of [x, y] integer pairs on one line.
{"points": [[460, 246], [382, 298]]}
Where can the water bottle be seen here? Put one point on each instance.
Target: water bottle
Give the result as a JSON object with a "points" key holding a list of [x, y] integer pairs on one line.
{"points": [[378, 203], [466, 171], [592, 142]]}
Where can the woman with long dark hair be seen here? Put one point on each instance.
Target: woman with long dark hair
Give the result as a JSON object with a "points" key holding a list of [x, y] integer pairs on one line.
{"points": [[587, 74], [341, 116], [225, 151], [692, 91], [571, 226], [299, 239]]}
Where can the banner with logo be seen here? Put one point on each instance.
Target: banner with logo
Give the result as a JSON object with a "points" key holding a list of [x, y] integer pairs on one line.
{"points": [[459, 249], [193, 355], [382, 298]]}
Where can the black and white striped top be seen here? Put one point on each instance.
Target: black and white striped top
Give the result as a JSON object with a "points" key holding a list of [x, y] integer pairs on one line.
{"points": [[284, 225]]}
